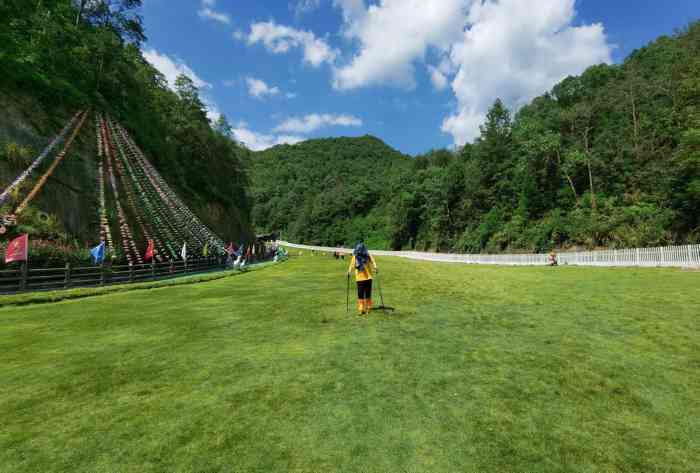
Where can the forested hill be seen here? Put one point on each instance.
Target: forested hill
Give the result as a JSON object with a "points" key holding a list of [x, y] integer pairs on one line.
{"points": [[610, 158], [60, 56], [327, 190]]}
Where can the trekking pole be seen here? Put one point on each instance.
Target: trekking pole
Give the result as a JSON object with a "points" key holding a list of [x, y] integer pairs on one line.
{"points": [[381, 296], [347, 296]]}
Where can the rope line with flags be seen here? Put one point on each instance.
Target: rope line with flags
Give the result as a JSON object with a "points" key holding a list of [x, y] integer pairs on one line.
{"points": [[35, 164], [140, 216], [42, 180]]}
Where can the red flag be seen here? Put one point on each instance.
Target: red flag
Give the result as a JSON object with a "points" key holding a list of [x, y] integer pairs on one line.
{"points": [[150, 249], [17, 249]]}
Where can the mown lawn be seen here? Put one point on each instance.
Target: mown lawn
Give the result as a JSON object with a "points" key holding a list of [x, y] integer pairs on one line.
{"points": [[479, 369]]}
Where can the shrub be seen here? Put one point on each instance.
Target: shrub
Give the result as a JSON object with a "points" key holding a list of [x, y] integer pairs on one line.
{"points": [[17, 155]]}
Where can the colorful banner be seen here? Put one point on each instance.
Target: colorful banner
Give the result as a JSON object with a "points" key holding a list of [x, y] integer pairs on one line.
{"points": [[18, 249], [98, 253]]}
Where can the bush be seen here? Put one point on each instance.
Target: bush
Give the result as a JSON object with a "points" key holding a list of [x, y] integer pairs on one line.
{"points": [[16, 155]]}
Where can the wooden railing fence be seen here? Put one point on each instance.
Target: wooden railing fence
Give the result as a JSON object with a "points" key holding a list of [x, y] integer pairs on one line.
{"points": [[25, 278]]}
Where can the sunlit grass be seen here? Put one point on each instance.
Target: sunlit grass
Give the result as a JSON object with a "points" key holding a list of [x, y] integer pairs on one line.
{"points": [[478, 369]]}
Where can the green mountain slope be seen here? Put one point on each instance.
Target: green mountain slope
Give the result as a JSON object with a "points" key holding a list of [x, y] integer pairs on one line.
{"points": [[607, 159], [326, 191]]}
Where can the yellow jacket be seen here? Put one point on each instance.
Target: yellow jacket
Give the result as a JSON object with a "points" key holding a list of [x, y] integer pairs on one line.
{"points": [[366, 273]]}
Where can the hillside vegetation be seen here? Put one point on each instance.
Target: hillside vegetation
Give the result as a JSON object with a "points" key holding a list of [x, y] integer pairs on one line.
{"points": [[610, 158], [328, 190], [57, 58]]}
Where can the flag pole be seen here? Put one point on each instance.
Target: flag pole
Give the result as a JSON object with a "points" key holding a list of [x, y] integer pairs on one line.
{"points": [[24, 271]]}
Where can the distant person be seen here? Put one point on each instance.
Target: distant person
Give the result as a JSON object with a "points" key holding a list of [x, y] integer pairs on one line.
{"points": [[363, 263], [553, 259]]}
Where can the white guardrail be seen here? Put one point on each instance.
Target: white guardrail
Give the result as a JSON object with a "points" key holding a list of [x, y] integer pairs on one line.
{"points": [[666, 256]]}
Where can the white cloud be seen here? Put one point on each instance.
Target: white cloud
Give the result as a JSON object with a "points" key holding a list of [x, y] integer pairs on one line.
{"points": [[279, 39], [393, 34], [305, 6], [438, 79], [213, 112], [515, 51], [207, 12], [512, 49], [259, 141], [314, 121], [353, 10], [259, 89], [173, 67], [210, 14]]}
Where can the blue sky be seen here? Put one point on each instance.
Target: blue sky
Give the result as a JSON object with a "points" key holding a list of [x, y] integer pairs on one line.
{"points": [[419, 74]]}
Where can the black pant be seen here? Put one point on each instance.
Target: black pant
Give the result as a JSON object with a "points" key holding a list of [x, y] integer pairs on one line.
{"points": [[364, 289]]}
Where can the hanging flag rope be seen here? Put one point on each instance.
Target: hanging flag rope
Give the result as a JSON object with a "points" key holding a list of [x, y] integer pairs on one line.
{"points": [[42, 180], [158, 225], [128, 244], [169, 222], [202, 233], [185, 219], [105, 232], [20, 179], [163, 225], [127, 185]]}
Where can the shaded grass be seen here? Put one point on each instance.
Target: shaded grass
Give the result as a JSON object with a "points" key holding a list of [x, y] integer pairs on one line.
{"points": [[479, 369], [39, 297]]}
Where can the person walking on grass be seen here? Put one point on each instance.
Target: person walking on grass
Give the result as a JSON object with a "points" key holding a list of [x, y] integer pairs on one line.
{"points": [[363, 263]]}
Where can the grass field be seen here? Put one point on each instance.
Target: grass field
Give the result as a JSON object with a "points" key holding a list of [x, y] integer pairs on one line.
{"points": [[479, 369]]}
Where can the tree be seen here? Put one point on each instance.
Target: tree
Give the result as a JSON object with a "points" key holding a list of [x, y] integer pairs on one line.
{"points": [[118, 16], [580, 121], [495, 156], [223, 127], [190, 102]]}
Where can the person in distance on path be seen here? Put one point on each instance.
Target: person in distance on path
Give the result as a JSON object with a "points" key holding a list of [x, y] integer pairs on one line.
{"points": [[363, 263]]}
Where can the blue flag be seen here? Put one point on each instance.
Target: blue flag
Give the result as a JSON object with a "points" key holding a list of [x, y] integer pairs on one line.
{"points": [[98, 253]]}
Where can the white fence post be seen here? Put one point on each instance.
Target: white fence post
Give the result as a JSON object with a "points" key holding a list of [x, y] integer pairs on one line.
{"points": [[671, 256]]}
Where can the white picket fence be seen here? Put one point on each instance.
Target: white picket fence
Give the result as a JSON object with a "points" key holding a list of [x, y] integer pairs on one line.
{"points": [[667, 256]]}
